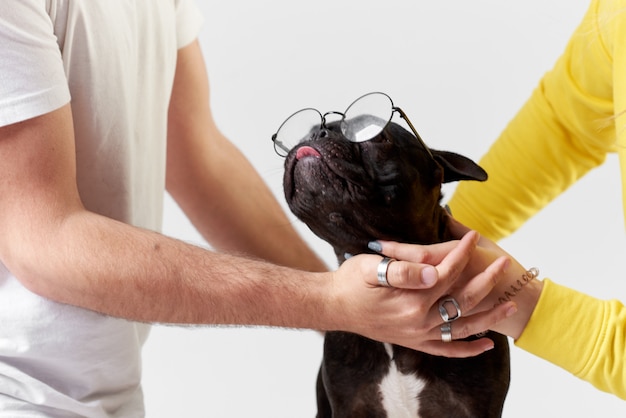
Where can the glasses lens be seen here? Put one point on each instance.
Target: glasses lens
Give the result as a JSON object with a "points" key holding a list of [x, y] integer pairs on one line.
{"points": [[295, 129], [366, 117]]}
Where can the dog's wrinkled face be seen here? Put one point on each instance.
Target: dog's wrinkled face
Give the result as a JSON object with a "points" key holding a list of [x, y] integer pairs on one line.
{"points": [[388, 187], [350, 193]]}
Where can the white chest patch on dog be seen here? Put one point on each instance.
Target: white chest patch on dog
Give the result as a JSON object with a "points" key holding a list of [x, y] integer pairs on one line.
{"points": [[400, 391]]}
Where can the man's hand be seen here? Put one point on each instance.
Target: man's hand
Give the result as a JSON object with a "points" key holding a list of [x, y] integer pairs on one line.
{"points": [[407, 313]]}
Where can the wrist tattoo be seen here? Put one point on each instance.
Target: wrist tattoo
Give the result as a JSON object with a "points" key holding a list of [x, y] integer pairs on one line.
{"points": [[514, 289]]}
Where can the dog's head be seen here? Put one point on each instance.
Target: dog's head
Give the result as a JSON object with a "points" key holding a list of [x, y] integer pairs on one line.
{"points": [[389, 187]]}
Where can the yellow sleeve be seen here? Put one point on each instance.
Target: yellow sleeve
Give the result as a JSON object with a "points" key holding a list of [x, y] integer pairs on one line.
{"points": [[564, 130], [594, 332]]}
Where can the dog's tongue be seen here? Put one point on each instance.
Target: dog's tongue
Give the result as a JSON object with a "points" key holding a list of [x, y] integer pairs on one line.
{"points": [[307, 151]]}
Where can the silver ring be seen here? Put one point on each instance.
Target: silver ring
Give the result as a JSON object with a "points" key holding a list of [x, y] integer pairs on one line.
{"points": [[445, 316], [382, 271], [446, 332]]}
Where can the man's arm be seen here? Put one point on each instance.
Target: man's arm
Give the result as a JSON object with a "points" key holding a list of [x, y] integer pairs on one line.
{"points": [[216, 186], [61, 251]]}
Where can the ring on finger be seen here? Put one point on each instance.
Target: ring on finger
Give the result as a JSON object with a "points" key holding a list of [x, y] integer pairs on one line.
{"points": [[381, 272], [443, 311], [446, 332]]}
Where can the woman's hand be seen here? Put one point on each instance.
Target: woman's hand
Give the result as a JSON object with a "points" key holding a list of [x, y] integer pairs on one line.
{"points": [[407, 313], [517, 284]]}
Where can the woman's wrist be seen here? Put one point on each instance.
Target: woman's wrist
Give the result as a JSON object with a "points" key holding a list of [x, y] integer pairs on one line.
{"points": [[526, 300], [518, 285]]}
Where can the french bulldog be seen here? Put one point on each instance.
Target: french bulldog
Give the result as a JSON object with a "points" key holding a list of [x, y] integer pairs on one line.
{"points": [[388, 188]]}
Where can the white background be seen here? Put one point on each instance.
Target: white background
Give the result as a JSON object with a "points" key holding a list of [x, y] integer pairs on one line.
{"points": [[460, 69]]}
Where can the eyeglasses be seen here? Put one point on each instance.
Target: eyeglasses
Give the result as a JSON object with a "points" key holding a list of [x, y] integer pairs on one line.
{"points": [[362, 121]]}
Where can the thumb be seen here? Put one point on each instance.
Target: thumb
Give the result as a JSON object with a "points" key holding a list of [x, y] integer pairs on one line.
{"points": [[457, 229]]}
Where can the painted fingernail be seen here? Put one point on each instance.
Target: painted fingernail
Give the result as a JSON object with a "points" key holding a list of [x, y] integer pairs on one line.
{"points": [[505, 265], [429, 275], [511, 311], [375, 246], [347, 255]]}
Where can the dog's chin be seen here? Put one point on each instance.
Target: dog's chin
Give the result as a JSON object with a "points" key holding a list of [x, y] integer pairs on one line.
{"points": [[306, 169], [326, 212]]}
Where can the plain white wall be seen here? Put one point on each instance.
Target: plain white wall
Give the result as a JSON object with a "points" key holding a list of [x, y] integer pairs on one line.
{"points": [[460, 69]]}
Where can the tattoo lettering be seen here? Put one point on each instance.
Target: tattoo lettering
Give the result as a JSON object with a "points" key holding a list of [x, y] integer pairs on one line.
{"points": [[514, 289]]}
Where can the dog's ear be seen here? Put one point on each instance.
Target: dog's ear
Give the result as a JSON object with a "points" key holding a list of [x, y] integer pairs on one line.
{"points": [[457, 167]]}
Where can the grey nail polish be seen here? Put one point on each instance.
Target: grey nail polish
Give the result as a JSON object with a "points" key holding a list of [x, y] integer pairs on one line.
{"points": [[375, 246], [347, 255]]}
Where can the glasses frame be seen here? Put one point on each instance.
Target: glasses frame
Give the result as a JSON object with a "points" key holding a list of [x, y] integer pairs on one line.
{"points": [[282, 151]]}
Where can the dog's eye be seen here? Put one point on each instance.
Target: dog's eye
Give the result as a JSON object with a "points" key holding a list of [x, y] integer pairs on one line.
{"points": [[384, 138], [335, 217]]}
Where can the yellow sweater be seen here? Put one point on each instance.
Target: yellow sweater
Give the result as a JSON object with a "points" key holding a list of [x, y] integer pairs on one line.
{"points": [[574, 118]]}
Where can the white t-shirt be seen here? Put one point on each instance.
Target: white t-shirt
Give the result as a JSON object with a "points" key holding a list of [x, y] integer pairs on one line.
{"points": [[115, 60]]}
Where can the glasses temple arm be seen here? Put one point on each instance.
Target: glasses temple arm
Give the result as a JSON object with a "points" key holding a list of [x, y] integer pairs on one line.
{"points": [[419, 138]]}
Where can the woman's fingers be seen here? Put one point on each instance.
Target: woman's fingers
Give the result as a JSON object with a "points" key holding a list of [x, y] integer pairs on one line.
{"points": [[418, 272], [456, 228], [420, 288], [459, 230], [480, 286], [428, 254]]}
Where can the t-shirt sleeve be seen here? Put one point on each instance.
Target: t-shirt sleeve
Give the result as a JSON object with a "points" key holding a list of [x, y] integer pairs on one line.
{"points": [[32, 77], [189, 20]]}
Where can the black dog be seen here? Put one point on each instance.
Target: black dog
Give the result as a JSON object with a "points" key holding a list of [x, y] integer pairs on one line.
{"points": [[389, 188]]}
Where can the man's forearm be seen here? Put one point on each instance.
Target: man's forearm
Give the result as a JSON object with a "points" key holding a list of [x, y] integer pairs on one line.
{"points": [[233, 209], [216, 186], [110, 267]]}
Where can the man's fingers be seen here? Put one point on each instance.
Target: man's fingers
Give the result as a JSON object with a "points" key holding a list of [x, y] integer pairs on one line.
{"points": [[457, 349], [403, 275], [466, 327], [476, 323]]}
